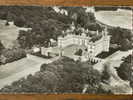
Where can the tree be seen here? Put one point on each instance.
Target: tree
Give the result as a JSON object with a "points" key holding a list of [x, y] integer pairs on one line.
{"points": [[1, 47], [93, 27], [92, 79], [106, 73], [13, 54], [79, 52], [26, 39], [79, 15], [20, 21], [125, 45], [125, 69], [131, 82]]}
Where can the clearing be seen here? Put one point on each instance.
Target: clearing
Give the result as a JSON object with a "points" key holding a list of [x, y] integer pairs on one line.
{"points": [[121, 18], [8, 34]]}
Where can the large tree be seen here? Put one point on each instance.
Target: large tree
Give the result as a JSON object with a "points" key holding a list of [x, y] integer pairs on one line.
{"points": [[125, 71], [1, 47]]}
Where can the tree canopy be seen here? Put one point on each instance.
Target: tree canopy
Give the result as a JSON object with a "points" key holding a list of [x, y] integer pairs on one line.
{"points": [[121, 37], [45, 22], [1, 47], [62, 76], [125, 70]]}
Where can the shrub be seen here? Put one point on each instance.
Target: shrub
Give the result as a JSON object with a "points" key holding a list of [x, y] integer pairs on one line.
{"points": [[79, 52]]}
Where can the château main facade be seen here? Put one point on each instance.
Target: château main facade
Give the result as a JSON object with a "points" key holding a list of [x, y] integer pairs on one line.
{"points": [[92, 48], [70, 43]]}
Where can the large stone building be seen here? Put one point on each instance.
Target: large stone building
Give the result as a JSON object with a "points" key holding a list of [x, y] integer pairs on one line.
{"points": [[92, 47]]}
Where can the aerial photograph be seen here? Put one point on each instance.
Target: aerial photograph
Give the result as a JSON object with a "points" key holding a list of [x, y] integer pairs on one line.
{"points": [[58, 49]]}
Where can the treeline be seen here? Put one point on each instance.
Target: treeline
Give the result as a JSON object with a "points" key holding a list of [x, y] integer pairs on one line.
{"points": [[45, 22], [106, 8], [112, 8], [62, 76]]}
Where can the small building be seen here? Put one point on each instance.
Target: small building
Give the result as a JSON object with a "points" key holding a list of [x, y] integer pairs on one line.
{"points": [[11, 23], [36, 49], [50, 51]]}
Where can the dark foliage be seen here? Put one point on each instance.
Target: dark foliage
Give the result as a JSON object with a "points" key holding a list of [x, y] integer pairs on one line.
{"points": [[62, 76], [125, 70], [106, 74], [79, 52], [45, 22], [10, 55], [121, 37], [1, 47], [106, 8]]}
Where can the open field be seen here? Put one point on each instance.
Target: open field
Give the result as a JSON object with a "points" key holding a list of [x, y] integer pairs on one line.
{"points": [[16, 66], [11, 72], [121, 18], [8, 34]]}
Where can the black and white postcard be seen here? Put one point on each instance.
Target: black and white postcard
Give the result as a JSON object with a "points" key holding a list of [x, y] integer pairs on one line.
{"points": [[57, 49]]}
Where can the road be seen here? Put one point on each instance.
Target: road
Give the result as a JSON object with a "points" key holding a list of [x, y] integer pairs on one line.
{"points": [[119, 86], [14, 71], [116, 56]]}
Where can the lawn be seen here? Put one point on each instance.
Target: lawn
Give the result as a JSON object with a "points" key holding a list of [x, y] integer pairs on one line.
{"points": [[14, 71], [121, 18], [15, 67], [8, 34]]}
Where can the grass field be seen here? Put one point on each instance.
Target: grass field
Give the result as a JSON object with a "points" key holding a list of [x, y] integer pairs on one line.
{"points": [[14, 71], [8, 34], [16, 66], [11, 72], [121, 18]]}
